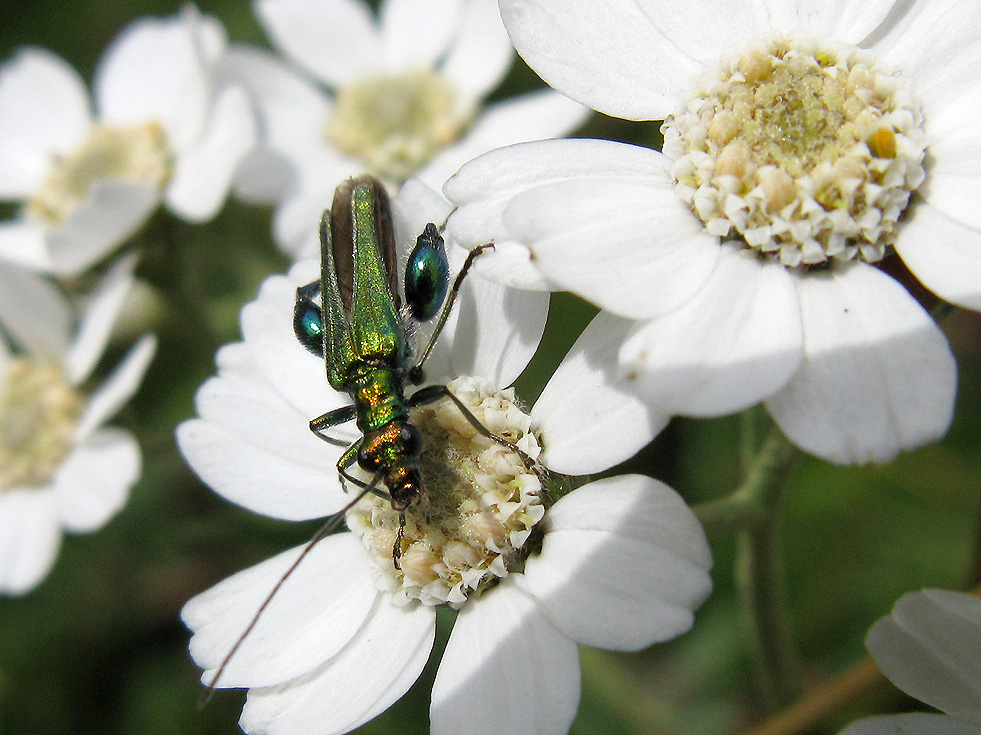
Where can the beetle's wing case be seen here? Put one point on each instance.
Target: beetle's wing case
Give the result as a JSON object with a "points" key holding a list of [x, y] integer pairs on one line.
{"points": [[338, 344], [361, 302]]}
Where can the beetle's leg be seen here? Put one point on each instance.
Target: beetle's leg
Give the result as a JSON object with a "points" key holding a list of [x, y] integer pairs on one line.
{"points": [[329, 420], [432, 393]]}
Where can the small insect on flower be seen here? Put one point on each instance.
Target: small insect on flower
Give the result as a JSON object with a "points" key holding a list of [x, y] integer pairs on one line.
{"points": [[365, 341], [364, 336]]}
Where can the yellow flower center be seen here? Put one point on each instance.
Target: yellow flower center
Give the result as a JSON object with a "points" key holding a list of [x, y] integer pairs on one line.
{"points": [[39, 409], [802, 153], [138, 154], [480, 507], [396, 123]]}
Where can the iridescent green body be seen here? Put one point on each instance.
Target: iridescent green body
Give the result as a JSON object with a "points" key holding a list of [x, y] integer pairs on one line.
{"points": [[359, 329], [360, 294], [365, 344]]}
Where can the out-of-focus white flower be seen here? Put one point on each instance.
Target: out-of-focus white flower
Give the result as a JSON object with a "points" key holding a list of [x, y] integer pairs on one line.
{"points": [[930, 647], [803, 142], [620, 563], [60, 467], [162, 127], [397, 95]]}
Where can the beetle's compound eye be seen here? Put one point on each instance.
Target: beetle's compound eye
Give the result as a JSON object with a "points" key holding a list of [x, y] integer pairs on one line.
{"points": [[426, 275]]}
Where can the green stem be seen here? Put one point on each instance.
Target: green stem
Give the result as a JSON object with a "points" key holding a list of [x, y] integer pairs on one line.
{"points": [[760, 579], [730, 514]]}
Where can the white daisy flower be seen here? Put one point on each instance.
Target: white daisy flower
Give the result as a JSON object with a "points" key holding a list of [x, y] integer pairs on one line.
{"points": [[930, 647], [60, 467], [804, 142], [399, 95], [162, 128], [618, 563]]}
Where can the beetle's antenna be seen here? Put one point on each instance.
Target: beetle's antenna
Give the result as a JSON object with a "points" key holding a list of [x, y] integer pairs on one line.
{"points": [[329, 525]]}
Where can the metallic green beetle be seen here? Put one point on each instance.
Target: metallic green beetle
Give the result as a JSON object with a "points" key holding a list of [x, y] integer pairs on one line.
{"points": [[359, 330]]}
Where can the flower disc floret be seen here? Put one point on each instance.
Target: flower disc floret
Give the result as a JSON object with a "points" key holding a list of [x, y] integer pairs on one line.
{"points": [[39, 410], [139, 154], [803, 152], [480, 507], [396, 123]]}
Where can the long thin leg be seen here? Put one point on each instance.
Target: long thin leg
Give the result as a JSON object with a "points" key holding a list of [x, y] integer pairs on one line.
{"points": [[415, 373], [348, 460], [432, 393], [329, 420]]}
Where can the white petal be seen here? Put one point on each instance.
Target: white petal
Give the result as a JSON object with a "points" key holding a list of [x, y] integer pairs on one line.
{"points": [[252, 414], [260, 480], [484, 187], [318, 610], [24, 241], [646, 252], [351, 688], [917, 723], [236, 360], [267, 324], [482, 53], [953, 183], [118, 388], [839, 19], [943, 254], [293, 110], [590, 419], [705, 28], [416, 205], [263, 177], [114, 210], [936, 44], [34, 312], [624, 564], [606, 55], [99, 318], [510, 264], [500, 174], [249, 410], [532, 116], [153, 70], [93, 483], [338, 41], [505, 669], [29, 538], [44, 110], [203, 171], [736, 342], [930, 647], [493, 331], [878, 376], [415, 33]]}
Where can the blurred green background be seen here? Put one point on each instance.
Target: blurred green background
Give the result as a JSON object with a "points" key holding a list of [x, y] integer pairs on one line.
{"points": [[98, 648]]}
